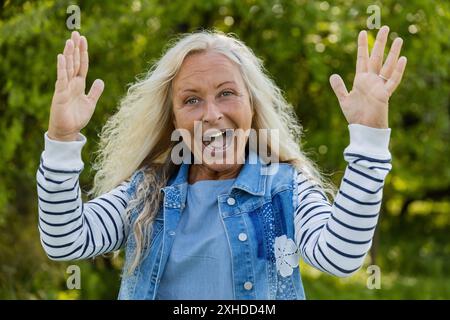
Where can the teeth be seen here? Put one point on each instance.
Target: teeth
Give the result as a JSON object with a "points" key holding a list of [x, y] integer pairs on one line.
{"points": [[216, 135], [211, 138]]}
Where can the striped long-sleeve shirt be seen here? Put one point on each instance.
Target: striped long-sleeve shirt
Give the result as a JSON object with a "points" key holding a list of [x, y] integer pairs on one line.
{"points": [[334, 238]]}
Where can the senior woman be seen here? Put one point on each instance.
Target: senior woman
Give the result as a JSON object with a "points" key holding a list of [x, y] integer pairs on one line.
{"points": [[203, 227]]}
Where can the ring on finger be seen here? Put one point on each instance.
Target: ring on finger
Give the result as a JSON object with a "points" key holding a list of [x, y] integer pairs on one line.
{"points": [[383, 77]]}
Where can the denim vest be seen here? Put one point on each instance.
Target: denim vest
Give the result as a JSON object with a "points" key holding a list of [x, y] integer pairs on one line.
{"points": [[258, 210]]}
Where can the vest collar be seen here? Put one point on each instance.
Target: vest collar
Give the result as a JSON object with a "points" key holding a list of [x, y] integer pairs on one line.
{"points": [[251, 178]]}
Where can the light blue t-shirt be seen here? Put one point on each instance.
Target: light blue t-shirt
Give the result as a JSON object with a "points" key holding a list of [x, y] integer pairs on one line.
{"points": [[199, 264]]}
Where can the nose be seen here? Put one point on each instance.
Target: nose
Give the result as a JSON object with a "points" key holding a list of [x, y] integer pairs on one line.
{"points": [[211, 113]]}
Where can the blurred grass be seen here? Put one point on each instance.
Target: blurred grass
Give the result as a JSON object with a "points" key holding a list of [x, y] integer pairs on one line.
{"points": [[393, 286]]}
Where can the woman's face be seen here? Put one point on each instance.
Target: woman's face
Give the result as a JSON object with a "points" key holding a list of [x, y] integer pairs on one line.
{"points": [[210, 99]]}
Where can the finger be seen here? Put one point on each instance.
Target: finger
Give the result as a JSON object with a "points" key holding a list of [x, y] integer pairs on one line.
{"points": [[391, 60], [76, 53], [96, 90], [68, 54], [397, 75], [338, 86], [61, 79], [376, 57], [363, 52], [84, 58]]}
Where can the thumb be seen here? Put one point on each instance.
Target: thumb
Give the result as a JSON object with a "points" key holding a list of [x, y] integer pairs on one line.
{"points": [[338, 86], [96, 91]]}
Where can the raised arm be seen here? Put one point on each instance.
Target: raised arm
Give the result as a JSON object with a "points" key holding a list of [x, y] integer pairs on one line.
{"points": [[68, 228], [336, 237]]}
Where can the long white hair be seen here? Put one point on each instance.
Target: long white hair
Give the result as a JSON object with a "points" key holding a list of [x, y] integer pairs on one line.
{"points": [[138, 134]]}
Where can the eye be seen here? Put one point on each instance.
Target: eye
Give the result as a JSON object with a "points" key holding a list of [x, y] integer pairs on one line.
{"points": [[227, 93], [191, 101]]}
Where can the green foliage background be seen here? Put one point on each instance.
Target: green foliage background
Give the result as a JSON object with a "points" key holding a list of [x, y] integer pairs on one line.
{"points": [[302, 43]]}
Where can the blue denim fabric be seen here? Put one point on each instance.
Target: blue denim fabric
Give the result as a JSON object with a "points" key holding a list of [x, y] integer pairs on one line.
{"points": [[200, 249], [262, 208]]}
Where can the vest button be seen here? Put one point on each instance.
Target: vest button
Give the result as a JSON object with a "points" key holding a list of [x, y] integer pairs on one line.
{"points": [[231, 201], [248, 285], [171, 233], [242, 236]]}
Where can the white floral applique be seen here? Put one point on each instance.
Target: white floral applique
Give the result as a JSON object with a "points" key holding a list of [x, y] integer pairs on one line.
{"points": [[286, 254]]}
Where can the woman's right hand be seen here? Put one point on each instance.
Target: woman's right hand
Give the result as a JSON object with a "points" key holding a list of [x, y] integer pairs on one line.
{"points": [[71, 108]]}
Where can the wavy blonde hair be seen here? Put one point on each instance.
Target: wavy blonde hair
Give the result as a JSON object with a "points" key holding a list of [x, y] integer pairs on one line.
{"points": [[137, 136]]}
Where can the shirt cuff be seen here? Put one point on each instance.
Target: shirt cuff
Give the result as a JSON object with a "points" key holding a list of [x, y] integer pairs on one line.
{"points": [[63, 155], [368, 140]]}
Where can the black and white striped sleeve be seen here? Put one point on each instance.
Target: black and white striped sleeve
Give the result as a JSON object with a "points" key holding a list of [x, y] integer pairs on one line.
{"points": [[70, 229], [335, 238]]}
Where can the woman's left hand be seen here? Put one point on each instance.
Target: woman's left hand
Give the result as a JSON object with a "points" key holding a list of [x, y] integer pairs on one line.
{"points": [[367, 103]]}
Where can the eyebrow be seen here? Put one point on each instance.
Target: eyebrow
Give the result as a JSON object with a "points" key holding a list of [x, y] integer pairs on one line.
{"points": [[220, 84]]}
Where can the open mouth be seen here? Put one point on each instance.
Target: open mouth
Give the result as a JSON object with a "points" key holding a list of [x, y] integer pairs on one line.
{"points": [[218, 139]]}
